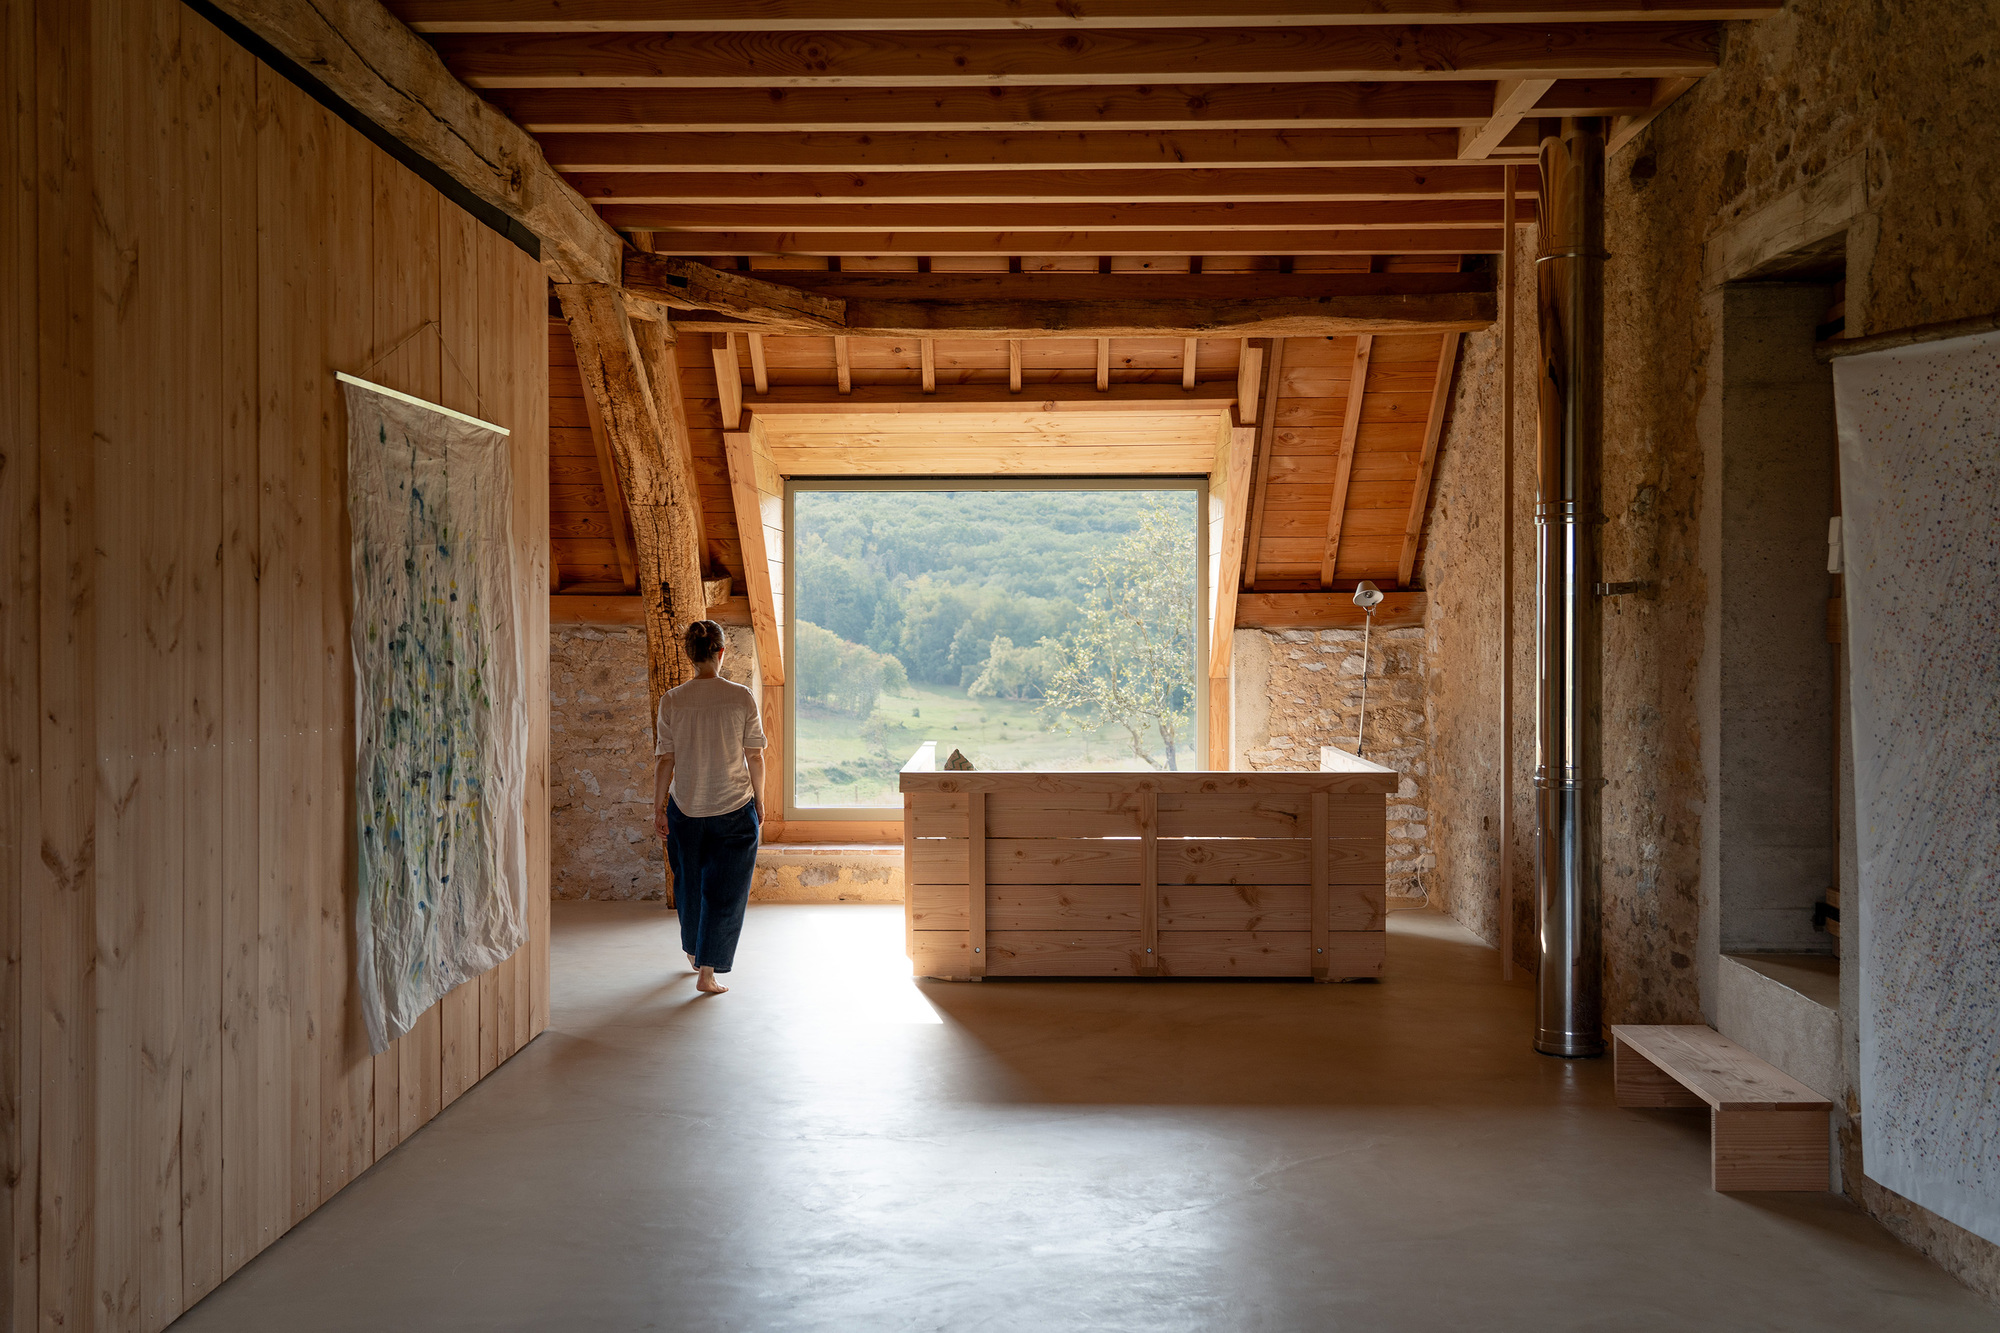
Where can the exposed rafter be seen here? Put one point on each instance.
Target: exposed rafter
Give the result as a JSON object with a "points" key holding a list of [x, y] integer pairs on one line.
{"points": [[1088, 56], [1331, 241], [1026, 151], [1214, 106], [1473, 180], [933, 15], [682, 284]]}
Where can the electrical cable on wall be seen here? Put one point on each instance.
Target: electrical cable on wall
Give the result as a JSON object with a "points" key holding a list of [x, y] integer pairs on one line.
{"points": [[1366, 596]]}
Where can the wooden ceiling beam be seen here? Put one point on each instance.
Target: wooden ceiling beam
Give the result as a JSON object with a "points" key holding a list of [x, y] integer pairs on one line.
{"points": [[1023, 151], [1090, 56], [1626, 128], [1443, 180], [1226, 106], [683, 284], [1420, 494], [668, 218], [1125, 305], [1596, 97], [1512, 99], [1352, 241], [1326, 610], [1343, 470], [1149, 400], [394, 79], [963, 15]]}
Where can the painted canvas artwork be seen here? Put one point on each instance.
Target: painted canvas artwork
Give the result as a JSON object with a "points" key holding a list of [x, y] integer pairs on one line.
{"points": [[1920, 496], [441, 720]]}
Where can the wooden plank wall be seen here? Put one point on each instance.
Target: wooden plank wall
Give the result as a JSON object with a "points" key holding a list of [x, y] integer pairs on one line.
{"points": [[193, 246], [579, 510]]}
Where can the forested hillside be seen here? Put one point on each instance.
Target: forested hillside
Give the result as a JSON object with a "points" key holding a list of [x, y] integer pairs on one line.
{"points": [[1009, 600]]}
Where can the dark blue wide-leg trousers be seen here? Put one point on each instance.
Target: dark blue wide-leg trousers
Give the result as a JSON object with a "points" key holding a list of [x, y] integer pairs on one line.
{"points": [[712, 860]]}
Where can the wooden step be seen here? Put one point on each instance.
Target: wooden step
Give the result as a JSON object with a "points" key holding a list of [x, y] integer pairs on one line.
{"points": [[1768, 1131]]}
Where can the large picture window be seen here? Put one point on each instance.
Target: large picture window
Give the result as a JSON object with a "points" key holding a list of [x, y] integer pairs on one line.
{"points": [[1044, 625]]}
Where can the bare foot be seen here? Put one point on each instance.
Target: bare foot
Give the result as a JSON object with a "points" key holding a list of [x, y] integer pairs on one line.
{"points": [[706, 983], [692, 965]]}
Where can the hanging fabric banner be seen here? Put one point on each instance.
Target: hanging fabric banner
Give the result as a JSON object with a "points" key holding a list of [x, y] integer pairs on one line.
{"points": [[441, 720], [1920, 521]]}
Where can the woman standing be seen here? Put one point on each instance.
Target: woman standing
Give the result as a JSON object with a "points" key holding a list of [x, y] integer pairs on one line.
{"points": [[708, 790]]}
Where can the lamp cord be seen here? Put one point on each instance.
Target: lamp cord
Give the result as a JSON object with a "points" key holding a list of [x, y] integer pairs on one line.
{"points": [[1361, 722]]}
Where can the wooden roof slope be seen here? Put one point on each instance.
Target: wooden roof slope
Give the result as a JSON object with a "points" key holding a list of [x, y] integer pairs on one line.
{"points": [[943, 138]]}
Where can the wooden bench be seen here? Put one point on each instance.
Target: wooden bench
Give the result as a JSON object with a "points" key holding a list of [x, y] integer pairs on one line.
{"points": [[1767, 1130]]}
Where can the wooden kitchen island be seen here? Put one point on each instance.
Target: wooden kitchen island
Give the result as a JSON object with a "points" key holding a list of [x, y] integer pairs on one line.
{"points": [[1203, 874]]}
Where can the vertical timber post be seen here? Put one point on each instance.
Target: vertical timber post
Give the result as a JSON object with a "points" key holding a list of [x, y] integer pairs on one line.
{"points": [[1570, 292]]}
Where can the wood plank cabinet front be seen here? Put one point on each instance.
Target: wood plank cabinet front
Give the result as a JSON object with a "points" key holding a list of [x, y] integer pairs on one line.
{"points": [[1146, 874]]}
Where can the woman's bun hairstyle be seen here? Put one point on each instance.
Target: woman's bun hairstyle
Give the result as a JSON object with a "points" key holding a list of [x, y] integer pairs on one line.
{"points": [[703, 640]]}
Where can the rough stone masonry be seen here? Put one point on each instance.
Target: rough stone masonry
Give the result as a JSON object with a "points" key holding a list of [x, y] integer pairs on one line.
{"points": [[1297, 690]]}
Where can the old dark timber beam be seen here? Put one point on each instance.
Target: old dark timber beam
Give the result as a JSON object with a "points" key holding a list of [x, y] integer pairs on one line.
{"points": [[377, 66], [935, 15], [1326, 610], [660, 492], [684, 284], [1130, 305]]}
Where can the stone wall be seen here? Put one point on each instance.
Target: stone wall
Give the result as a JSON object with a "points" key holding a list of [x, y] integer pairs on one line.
{"points": [[1462, 630], [1870, 125], [1865, 129], [601, 760], [601, 766], [1296, 690]]}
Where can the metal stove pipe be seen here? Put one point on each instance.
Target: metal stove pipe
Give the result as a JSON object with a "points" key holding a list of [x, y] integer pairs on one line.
{"points": [[1570, 281]]}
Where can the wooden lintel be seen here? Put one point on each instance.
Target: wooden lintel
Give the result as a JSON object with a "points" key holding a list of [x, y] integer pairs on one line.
{"points": [[1343, 468], [1420, 495], [395, 79], [685, 284], [616, 609], [1326, 610], [1411, 240]]}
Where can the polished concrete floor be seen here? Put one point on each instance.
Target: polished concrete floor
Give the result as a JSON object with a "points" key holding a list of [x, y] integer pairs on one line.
{"points": [[833, 1147]]}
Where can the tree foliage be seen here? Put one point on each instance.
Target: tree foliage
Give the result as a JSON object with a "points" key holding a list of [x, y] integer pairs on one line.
{"points": [[841, 676], [1014, 672], [1130, 658]]}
